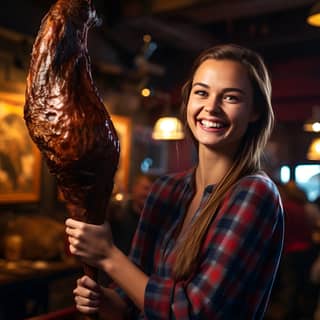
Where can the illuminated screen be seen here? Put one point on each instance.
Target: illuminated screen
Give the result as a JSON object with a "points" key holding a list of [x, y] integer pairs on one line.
{"points": [[307, 177]]}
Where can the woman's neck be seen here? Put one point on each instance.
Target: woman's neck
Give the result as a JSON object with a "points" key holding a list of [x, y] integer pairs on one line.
{"points": [[212, 167]]}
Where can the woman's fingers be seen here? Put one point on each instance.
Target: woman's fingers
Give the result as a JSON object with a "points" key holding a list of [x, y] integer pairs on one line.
{"points": [[91, 243], [72, 223], [75, 237], [85, 302], [75, 246], [86, 293], [70, 231], [88, 283], [87, 297], [86, 309]]}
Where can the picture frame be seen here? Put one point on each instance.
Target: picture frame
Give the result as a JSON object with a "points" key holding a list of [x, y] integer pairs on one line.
{"points": [[123, 126], [19, 157]]}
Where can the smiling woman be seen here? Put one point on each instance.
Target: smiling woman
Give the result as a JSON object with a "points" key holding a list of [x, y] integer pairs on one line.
{"points": [[209, 239]]}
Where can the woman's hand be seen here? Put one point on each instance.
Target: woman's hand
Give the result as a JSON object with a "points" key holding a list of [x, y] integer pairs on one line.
{"points": [[92, 243], [87, 295], [90, 298]]}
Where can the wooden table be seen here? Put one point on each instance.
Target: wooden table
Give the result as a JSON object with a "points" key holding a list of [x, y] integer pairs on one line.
{"points": [[25, 286]]}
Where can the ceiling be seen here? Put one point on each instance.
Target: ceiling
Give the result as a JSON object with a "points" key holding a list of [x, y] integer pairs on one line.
{"points": [[180, 29], [186, 26]]}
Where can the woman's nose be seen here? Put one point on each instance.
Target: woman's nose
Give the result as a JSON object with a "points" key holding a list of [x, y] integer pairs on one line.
{"points": [[212, 105]]}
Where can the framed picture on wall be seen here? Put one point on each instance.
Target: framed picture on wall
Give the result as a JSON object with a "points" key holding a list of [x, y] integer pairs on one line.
{"points": [[19, 156], [123, 127]]}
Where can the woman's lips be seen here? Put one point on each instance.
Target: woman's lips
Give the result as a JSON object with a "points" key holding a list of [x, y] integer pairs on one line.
{"points": [[211, 124]]}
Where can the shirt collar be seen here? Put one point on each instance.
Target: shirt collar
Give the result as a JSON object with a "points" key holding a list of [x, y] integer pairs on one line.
{"points": [[190, 181]]}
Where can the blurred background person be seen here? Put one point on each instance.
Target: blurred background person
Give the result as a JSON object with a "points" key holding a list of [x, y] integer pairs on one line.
{"points": [[294, 294], [124, 215], [315, 268]]}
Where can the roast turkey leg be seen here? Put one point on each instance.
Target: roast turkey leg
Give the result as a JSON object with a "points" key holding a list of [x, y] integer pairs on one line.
{"points": [[65, 115]]}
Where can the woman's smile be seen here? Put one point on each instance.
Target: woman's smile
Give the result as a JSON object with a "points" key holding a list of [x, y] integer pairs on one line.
{"points": [[220, 104], [211, 125]]}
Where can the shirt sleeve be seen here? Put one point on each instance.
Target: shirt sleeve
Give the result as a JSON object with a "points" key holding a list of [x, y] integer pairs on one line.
{"points": [[148, 231], [237, 262]]}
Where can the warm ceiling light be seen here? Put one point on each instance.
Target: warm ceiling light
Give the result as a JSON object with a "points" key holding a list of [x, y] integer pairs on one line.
{"points": [[314, 150], [119, 196], [168, 128], [147, 38], [313, 124], [314, 16], [146, 92]]}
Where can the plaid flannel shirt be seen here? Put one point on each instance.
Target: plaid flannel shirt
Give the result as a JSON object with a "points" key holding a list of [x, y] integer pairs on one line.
{"points": [[238, 260]]}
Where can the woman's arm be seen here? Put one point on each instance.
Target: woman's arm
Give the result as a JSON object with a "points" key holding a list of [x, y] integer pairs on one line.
{"points": [[93, 244], [127, 275]]}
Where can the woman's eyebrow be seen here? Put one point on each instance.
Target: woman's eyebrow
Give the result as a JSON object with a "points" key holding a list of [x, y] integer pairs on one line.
{"points": [[200, 84], [234, 89]]}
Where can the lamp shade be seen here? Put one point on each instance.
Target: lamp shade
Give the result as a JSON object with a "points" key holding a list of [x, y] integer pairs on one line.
{"points": [[168, 128], [314, 16], [314, 150]]}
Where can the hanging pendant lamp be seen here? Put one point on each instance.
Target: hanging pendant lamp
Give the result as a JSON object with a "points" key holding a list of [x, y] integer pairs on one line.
{"points": [[168, 128], [314, 150], [314, 16]]}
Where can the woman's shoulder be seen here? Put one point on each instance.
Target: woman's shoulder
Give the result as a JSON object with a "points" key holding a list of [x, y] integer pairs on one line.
{"points": [[256, 193], [169, 186], [174, 178], [259, 183]]}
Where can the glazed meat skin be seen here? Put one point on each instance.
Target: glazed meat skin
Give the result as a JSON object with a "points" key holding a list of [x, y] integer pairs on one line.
{"points": [[64, 114]]}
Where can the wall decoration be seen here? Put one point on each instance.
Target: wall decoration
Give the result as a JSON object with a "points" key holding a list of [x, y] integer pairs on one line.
{"points": [[123, 127], [19, 156]]}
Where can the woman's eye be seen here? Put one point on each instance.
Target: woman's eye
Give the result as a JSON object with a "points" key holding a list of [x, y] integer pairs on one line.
{"points": [[201, 93], [231, 98]]}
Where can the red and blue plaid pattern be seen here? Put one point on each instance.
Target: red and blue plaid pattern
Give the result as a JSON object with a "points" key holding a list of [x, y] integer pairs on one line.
{"points": [[239, 257]]}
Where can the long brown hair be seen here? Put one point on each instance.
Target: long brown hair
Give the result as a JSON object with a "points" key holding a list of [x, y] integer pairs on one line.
{"points": [[248, 157]]}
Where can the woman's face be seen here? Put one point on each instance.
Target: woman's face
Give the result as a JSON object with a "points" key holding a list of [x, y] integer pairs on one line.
{"points": [[220, 105]]}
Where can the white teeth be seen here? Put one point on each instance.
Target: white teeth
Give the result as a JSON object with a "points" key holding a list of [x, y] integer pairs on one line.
{"points": [[211, 124]]}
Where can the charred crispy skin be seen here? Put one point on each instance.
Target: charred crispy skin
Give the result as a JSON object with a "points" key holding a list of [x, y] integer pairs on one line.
{"points": [[66, 117]]}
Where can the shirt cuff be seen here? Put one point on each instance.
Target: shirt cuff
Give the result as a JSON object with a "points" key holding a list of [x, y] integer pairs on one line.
{"points": [[158, 298]]}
